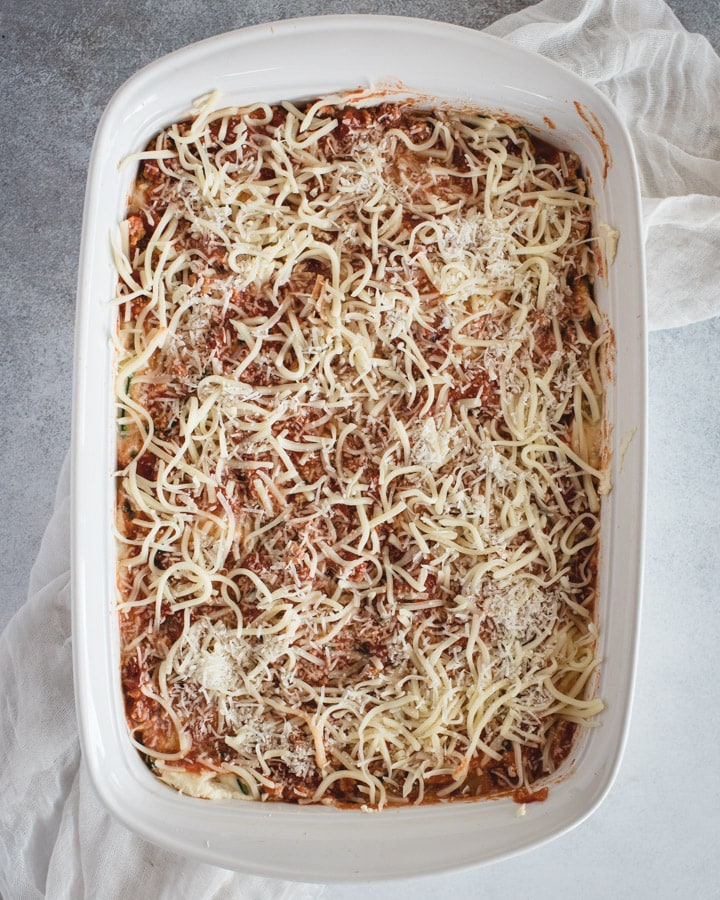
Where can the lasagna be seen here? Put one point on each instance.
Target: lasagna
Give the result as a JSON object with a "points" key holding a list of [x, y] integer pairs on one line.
{"points": [[360, 462]]}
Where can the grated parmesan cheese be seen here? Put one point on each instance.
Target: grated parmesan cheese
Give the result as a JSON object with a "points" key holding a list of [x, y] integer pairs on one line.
{"points": [[359, 400]]}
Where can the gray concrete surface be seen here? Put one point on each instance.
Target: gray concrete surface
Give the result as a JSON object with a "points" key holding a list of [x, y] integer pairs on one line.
{"points": [[60, 62]]}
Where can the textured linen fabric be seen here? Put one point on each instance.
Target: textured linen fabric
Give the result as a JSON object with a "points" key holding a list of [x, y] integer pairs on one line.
{"points": [[665, 83], [56, 839]]}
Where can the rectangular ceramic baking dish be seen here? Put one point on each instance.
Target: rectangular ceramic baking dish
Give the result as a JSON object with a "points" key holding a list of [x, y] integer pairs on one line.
{"points": [[298, 59]]}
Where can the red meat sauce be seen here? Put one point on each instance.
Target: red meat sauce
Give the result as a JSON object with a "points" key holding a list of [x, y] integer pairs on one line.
{"points": [[367, 642], [355, 653], [359, 649]]}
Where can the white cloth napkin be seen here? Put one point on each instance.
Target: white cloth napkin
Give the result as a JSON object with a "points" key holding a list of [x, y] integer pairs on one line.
{"points": [[56, 839], [665, 83]]}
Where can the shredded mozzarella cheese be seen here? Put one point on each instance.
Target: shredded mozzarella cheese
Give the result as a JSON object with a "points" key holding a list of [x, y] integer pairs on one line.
{"points": [[360, 470]]}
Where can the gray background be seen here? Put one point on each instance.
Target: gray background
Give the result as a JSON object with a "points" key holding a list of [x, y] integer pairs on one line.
{"points": [[60, 62]]}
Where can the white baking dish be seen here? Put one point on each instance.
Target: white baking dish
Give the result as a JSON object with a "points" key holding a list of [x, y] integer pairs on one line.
{"points": [[303, 58]]}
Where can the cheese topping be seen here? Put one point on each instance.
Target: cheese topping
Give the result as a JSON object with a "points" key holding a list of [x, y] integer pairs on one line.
{"points": [[359, 407]]}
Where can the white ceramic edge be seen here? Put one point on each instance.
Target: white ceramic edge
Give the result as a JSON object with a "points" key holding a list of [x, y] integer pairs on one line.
{"points": [[121, 780]]}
